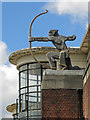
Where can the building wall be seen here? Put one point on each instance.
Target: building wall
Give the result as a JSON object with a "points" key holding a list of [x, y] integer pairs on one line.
{"points": [[61, 95], [76, 59], [86, 76], [64, 101], [61, 104], [86, 90], [86, 99]]}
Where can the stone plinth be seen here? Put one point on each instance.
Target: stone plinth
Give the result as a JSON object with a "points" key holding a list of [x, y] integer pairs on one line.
{"points": [[61, 95], [67, 79]]}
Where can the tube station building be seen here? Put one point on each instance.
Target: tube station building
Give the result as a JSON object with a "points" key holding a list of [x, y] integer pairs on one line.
{"points": [[52, 94]]}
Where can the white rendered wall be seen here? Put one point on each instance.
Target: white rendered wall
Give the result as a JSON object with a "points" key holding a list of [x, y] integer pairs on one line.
{"points": [[76, 59]]}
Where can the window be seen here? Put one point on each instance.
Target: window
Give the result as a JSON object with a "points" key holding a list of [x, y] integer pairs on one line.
{"points": [[30, 76]]}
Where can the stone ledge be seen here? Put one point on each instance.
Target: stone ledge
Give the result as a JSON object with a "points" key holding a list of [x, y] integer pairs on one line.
{"points": [[63, 72], [67, 79], [38, 50]]}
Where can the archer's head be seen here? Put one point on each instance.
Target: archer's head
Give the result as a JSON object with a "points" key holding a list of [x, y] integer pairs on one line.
{"points": [[53, 33]]}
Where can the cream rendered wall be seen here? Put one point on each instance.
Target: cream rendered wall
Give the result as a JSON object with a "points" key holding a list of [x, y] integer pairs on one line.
{"points": [[29, 59], [76, 59]]}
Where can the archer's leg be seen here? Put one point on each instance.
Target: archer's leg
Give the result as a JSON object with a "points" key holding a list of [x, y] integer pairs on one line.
{"points": [[62, 59], [65, 62], [51, 56]]}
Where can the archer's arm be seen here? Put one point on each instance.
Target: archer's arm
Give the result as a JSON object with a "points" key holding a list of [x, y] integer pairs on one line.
{"points": [[70, 38], [40, 39]]}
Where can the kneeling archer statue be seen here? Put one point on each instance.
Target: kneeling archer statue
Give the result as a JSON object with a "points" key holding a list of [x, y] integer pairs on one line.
{"points": [[59, 43]]}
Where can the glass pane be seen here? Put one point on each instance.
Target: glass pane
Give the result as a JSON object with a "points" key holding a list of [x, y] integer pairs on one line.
{"points": [[39, 88], [39, 94], [35, 72], [24, 90], [35, 65], [32, 105], [39, 105], [32, 82], [39, 77], [34, 113], [23, 101], [22, 115], [24, 67], [23, 79], [33, 89], [34, 94], [34, 79], [32, 99], [23, 74], [39, 82], [39, 99]]}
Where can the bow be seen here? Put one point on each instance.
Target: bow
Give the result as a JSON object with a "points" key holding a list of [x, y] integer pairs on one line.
{"points": [[30, 41]]}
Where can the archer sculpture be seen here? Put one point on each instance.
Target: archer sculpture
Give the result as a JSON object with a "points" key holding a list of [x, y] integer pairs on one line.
{"points": [[63, 55], [59, 43]]}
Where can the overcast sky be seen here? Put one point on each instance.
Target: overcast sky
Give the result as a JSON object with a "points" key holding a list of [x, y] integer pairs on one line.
{"points": [[66, 16]]}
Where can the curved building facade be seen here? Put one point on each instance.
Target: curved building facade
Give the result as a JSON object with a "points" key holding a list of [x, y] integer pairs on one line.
{"points": [[30, 77]]}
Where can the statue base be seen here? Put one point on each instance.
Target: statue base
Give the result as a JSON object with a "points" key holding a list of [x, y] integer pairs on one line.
{"points": [[61, 95], [70, 79]]}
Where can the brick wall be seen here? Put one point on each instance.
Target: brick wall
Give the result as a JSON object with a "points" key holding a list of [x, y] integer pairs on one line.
{"points": [[62, 104], [86, 99]]}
